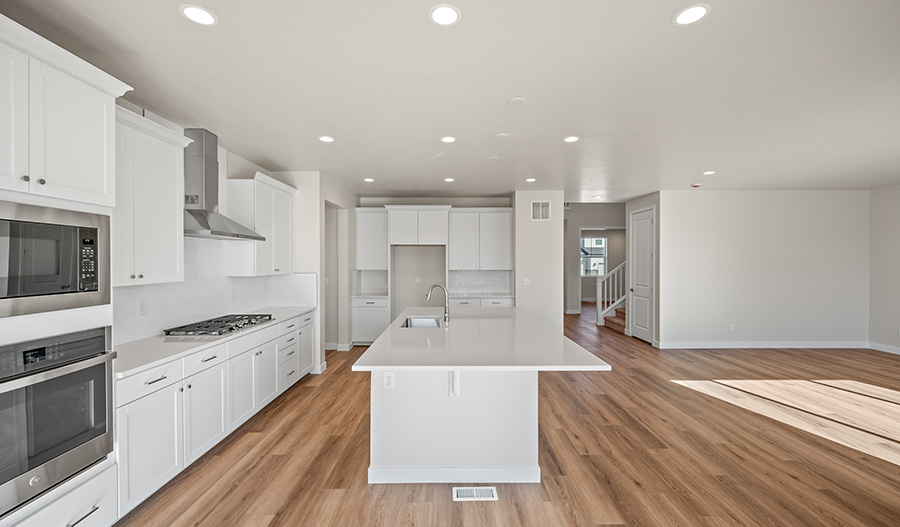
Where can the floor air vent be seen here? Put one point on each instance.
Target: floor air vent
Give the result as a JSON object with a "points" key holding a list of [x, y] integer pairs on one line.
{"points": [[474, 493]]}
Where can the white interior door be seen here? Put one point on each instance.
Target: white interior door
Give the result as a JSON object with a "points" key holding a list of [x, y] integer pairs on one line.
{"points": [[640, 305]]}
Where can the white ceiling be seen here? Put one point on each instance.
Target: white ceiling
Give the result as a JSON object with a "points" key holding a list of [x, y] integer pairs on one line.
{"points": [[799, 94]]}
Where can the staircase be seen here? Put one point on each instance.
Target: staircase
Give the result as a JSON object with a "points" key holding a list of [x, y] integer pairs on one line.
{"points": [[611, 299], [616, 322]]}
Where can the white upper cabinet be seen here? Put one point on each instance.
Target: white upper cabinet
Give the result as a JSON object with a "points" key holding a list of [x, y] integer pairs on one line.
{"points": [[417, 225], [148, 222], [480, 239], [58, 119], [372, 239], [262, 204]]}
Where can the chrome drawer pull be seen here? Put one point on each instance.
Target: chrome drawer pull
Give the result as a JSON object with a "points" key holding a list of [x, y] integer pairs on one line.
{"points": [[291, 339], [308, 319], [370, 302], [148, 383], [291, 353], [209, 359], [293, 372], [95, 509], [289, 327]]}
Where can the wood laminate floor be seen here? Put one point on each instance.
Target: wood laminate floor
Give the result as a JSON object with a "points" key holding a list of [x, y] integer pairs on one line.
{"points": [[626, 447]]}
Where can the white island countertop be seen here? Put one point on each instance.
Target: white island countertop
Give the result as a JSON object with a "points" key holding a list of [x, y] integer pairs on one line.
{"points": [[141, 355], [477, 338]]}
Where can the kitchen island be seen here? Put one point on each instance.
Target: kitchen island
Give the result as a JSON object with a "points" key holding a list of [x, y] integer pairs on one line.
{"points": [[459, 402]]}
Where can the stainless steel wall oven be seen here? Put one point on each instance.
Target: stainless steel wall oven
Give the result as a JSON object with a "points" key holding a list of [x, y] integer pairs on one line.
{"points": [[52, 259], [55, 411]]}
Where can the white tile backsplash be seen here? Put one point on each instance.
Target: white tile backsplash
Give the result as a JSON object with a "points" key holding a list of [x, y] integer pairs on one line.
{"points": [[205, 293], [481, 282]]}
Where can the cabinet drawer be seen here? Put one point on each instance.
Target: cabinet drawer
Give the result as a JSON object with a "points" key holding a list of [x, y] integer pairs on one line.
{"points": [[204, 359], [370, 302], [456, 302], [288, 373], [145, 383], [290, 324], [252, 340], [288, 339], [288, 352], [93, 503], [497, 302]]}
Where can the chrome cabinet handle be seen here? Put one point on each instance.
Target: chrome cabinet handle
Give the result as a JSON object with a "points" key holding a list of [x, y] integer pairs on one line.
{"points": [[289, 327], [148, 383], [291, 339], [26, 179], [277, 270], [370, 302], [293, 372], [189, 386], [209, 359], [93, 510], [140, 276], [291, 353], [42, 181], [308, 319], [132, 277]]}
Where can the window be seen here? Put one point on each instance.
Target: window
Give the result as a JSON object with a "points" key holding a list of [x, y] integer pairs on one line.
{"points": [[593, 256]]}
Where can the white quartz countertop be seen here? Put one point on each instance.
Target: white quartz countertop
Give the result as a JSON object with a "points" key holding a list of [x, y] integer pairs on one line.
{"points": [[140, 355], [477, 338]]}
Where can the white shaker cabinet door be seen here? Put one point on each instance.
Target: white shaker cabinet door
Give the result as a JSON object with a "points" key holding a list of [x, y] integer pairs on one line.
{"points": [[306, 348], [72, 137], [123, 242], [282, 231], [150, 438], [265, 226], [403, 226], [372, 240], [369, 323], [266, 357], [13, 119], [158, 205], [463, 243], [432, 227], [205, 411], [495, 241], [241, 389]]}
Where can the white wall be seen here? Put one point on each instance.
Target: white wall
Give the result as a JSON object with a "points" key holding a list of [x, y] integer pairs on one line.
{"points": [[787, 268], [539, 257], [329, 307], [884, 303], [615, 255]]}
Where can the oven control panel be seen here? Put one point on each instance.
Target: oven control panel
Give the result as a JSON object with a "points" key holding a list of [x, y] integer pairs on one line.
{"points": [[87, 264], [48, 353]]}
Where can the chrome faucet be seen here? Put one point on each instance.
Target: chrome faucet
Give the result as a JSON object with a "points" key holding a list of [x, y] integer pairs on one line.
{"points": [[446, 300]]}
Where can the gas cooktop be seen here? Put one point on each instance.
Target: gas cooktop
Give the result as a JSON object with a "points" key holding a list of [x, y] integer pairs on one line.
{"points": [[219, 326]]}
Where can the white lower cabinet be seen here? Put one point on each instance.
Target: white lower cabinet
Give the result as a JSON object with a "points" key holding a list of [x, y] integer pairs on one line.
{"points": [[483, 302], [266, 358], [306, 349], [205, 411], [370, 319], [288, 373], [92, 504], [150, 444], [241, 388]]}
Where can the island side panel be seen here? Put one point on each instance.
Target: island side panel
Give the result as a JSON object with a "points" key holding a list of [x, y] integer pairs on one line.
{"points": [[422, 434]]}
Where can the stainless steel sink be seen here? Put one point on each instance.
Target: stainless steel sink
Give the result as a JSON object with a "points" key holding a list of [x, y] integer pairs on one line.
{"points": [[421, 322]]}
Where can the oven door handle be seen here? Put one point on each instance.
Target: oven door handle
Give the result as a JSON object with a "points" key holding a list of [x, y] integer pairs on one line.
{"points": [[39, 377]]}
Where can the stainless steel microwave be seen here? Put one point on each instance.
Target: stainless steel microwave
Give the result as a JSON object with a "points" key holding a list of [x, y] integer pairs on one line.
{"points": [[51, 259]]}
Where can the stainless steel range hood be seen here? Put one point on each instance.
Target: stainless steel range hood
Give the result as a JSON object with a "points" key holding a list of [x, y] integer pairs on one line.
{"points": [[201, 192]]}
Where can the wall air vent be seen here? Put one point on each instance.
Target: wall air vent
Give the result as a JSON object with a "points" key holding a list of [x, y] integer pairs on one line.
{"points": [[540, 211], [474, 493]]}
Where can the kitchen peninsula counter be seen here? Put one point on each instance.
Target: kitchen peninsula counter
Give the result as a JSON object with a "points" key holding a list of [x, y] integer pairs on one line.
{"points": [[459, 403]]}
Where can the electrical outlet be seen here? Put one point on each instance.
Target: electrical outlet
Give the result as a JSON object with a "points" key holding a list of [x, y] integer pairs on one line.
{"points": [[526, 281], [732, 327], [388, 379], [326, 282], [418, 280], [142, 307]]}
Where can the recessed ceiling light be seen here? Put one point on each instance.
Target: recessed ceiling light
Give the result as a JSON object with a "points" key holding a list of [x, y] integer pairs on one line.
{"points": [[493, 158], [444, 14], [709, 172], [517, 101], [691, 14], [197, 14], [448, 180], [503, 135], [368, 180], [448, 139], [695, 185], [530, 180], [326, 139], [571, 139]]}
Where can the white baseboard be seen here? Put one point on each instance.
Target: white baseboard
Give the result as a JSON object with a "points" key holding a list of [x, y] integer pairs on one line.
{"points": [[884, 347], [588, 299], [762, 344], [344, 347], [363, 342], [319, 369], [329, 346], [455, 475], [572, 311]]}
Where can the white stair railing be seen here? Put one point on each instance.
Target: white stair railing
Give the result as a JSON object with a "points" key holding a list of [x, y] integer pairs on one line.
{"points": [[610, 292]]}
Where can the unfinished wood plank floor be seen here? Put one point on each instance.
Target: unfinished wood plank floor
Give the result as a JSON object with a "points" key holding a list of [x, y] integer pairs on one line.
{"points": [[626, 447]]}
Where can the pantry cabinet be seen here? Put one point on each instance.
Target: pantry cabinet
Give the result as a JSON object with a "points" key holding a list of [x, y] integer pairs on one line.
{"points": [[58, 139], [148, 222], [264, 205]]}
